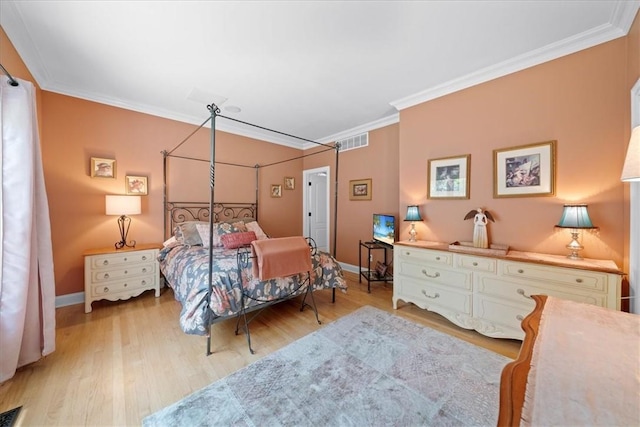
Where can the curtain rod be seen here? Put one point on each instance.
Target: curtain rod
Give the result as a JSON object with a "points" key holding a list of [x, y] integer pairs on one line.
{"points": [[12, 81]]}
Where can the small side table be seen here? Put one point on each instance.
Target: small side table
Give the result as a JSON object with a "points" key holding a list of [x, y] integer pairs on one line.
{"points": [[119, 274], [369, 274]]}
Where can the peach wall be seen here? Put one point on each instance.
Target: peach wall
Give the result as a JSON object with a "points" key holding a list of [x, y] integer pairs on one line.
{"points": [[378, 161], [580, 100]]}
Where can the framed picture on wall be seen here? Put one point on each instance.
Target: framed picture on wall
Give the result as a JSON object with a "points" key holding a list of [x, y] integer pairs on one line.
{"points": [[289, 183], [136, 185], [276, 190], [103, 168], [448, 178], [360, 189], [525, 171]]}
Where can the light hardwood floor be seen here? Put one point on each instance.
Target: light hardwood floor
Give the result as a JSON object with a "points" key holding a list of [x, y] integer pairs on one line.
{"points": [[128, 359]]}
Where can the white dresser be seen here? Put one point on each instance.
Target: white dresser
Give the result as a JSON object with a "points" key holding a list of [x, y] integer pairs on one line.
{"points": [[493, 294], [116, 274]]}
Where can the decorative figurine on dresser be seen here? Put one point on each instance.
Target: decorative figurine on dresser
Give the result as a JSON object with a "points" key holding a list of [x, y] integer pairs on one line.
{"points": [[480, 220]]}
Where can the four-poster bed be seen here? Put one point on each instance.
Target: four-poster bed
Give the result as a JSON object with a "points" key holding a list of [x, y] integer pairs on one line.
{"points": [[213, 250]]}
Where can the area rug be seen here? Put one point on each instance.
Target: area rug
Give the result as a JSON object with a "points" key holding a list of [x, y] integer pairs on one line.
{"points": [[369, 368]]}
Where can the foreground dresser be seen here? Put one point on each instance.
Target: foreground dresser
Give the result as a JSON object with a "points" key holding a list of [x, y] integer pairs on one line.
{"points": [[116, 274], [493, 294]]}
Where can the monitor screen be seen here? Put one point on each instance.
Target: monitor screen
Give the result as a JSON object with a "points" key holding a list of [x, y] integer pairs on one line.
{"points": [[384, 228]]}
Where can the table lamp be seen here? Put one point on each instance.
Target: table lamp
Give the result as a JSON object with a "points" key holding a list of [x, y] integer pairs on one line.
{"points": [[123, 206], [575, 218], [413, 214]]}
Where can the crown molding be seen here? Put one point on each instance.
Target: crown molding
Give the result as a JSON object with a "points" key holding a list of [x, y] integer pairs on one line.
{"points": [[621, 21]]}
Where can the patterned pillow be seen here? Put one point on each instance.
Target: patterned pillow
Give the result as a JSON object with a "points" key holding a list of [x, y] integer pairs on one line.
{"points": [[187, 233], [253, 226], [219, 229], [235, 240]]}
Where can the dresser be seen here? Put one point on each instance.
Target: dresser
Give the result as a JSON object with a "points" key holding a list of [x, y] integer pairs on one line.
{"points": [[492, 294], [118, 274]]}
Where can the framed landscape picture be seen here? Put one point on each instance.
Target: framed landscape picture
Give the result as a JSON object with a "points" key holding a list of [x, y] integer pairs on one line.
{"points": [[448, 178], [525, 171], [360, 189]]}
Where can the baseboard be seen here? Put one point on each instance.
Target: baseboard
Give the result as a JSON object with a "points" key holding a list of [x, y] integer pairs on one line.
{"points": [[70, 299], [350, 268]]}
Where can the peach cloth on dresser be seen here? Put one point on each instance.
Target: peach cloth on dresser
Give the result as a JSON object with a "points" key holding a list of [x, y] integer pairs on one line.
{"points": [[585, 368], [279, 257]]}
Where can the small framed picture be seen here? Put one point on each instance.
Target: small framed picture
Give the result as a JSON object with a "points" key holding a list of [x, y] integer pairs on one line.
{"points": [[289, 183], [525, 171], [103, 168], [448, 178], [276, 190], [360, 189], [136, 185]]}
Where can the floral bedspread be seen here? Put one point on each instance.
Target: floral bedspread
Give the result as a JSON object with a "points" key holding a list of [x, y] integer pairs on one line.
{"points": [[186, 270]]}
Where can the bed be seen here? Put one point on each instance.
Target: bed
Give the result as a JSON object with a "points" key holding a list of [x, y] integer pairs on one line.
{"points": [[214, 280], [579, 364]]}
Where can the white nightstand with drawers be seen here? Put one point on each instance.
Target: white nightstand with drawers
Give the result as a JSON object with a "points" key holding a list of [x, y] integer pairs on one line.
{"points": [[492, 294], [116, 274]]}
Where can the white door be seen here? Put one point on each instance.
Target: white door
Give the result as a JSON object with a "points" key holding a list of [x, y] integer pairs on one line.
{"points": [[316, 218]]}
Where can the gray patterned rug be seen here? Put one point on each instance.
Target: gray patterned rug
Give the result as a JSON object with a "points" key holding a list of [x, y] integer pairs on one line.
{"points": [[369, 368]]}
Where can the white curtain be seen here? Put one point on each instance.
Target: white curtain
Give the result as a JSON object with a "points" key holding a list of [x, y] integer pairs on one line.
{"points": [[27, 289]]}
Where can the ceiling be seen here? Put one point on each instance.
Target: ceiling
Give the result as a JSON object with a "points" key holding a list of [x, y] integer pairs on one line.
{"points": [[318, 70]]}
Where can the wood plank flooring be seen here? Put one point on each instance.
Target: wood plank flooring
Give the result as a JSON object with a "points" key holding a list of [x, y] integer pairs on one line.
{"points": [[128, 359]]}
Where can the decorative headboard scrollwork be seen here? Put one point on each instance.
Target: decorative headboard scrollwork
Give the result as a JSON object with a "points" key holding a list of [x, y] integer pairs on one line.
{"points": [[178, 212]]}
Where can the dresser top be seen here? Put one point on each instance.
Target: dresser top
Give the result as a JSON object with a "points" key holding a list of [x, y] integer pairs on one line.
{"points": [[113, 250], [606, 266]]}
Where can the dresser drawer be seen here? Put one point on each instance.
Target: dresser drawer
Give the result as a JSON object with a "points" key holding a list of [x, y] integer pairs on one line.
{"points": [[118, 286], [132, 270], [520, 291], [426, 294], [422, 255], [476, 263], [436, 273], [505, 318], [111, 260], [579, 279]]}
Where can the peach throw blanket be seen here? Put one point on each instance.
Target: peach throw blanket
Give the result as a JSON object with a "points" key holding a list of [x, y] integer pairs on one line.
{"points": [[280, 257], [585, 367]]}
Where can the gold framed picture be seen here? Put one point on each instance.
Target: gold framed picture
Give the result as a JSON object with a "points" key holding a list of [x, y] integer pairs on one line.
{"points": [[289, 183], [525, 171], [136, 185], [360, 189], [103, 168], [448, 178], [276, 190]]}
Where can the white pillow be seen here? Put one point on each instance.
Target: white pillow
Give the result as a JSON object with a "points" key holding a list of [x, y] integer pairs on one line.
{"points": [[253, 226], [169, 241]]}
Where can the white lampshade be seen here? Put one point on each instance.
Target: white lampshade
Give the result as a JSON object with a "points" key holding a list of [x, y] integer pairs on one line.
{"points": [[631, 169], [123, 205]]}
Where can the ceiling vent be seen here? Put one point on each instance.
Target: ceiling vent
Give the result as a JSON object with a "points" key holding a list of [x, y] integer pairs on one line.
{"points": [[353, 142]]}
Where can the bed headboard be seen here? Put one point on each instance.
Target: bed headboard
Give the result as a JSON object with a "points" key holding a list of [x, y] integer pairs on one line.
{"points": [[177, 212]]}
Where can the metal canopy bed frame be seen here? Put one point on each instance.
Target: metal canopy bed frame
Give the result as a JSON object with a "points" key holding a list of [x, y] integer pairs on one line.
{"points": [[213, 211]]}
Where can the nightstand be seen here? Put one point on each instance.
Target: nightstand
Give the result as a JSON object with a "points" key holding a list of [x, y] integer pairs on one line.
{"points": [[116, 274]]}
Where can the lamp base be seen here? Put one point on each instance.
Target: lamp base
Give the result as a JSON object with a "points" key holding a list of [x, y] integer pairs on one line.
{"points": [[575, 247], [123, 226], [413, 233]]}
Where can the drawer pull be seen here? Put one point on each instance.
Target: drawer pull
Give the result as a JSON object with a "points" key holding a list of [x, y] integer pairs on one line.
{"points": [[407, 253], [437, 258], [105, 262], [475, 264], [126, 272], [521, 292], [144, 270], [430, 275], [105, 290], [125, 259], [519, 317], [436, 295], [106, 275], [520, 271], [125, 285], [578, 280], [144, 282], [144, 257]]}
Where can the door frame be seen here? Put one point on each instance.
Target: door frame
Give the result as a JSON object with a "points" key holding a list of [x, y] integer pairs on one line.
{"points": [[305, 200]]}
